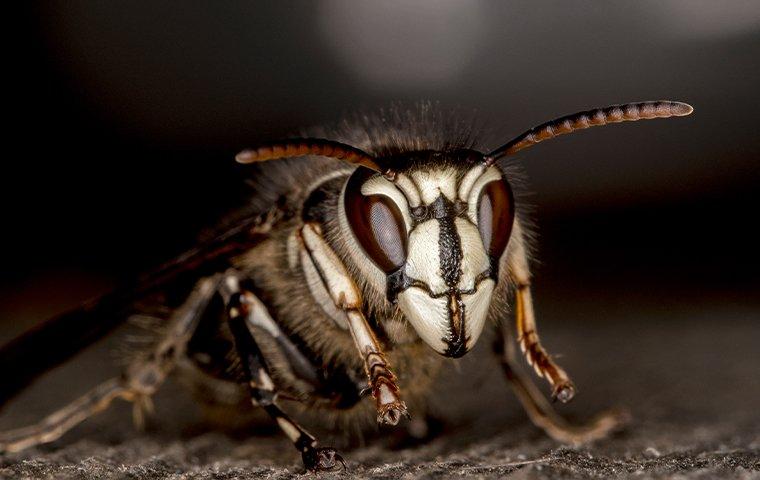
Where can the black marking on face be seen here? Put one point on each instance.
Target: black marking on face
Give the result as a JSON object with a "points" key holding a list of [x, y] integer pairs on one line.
{"points": [[450, 251], [399, 281], [396, 282], [449, 245], [450, 254], [457, 344]]}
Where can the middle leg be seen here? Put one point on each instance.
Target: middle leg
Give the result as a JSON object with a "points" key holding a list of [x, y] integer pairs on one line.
{"points": [[241, 306]]}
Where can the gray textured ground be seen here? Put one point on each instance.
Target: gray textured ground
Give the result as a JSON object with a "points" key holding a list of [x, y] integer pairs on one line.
{"points": [[688, 375]]}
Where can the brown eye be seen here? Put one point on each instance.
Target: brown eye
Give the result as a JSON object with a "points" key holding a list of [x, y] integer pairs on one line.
{"points": [[377, 223], [495, 216]]}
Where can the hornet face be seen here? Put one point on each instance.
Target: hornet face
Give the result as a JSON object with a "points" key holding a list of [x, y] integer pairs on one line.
{"points": [[436, 231]]}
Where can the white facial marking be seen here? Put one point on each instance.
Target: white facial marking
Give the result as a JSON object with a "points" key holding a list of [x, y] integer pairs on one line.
{"points": [[407, 186], [380, 186], [423, 262], [468, 181], [476, 308], [436, 182], [472, 201], [429, 316], [474, 258]]}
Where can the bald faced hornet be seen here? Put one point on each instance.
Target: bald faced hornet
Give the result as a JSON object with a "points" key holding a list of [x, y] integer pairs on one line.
{"points": [[359, 264]]}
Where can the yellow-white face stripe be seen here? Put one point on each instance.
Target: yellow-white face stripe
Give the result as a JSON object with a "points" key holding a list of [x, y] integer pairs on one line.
{"points": [[473, 194]]}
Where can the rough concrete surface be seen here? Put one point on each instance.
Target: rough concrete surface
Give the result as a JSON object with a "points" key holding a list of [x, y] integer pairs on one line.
{"points": [[687, 374]]}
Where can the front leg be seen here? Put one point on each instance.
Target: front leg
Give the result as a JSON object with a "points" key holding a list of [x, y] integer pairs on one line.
{"points": [[525, 322], [346, 296]]}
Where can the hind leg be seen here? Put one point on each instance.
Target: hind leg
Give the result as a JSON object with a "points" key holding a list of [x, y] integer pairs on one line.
{"points": [[540, 410], [137, 384]]}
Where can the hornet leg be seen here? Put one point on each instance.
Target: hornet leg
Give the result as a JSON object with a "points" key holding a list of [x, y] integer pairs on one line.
{"points": [[525, 320], [540, 410], [137, 384], [346, 296], [241, 310]]}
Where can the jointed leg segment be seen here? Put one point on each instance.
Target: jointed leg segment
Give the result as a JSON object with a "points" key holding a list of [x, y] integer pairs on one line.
{"points": [[144, 376], [346, 296], [382, 381], [138, 383], [53, 426], [262, 389], [525, 321], [538, 408], [541, 412], [537, 357]]}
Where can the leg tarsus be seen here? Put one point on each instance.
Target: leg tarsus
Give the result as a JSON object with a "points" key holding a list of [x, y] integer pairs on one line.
{"points": [[391, 413], [535, 354], [59, 422], [322, 459], [525, 321], [390, 408], [545, 417]]}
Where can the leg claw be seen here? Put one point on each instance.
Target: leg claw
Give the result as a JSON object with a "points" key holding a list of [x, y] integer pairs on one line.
{"points": [[564, 392], [324, 459], [391, 413]]}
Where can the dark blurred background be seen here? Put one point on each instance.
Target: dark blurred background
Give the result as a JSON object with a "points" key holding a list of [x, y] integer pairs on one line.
{"points": [[122, 120]]}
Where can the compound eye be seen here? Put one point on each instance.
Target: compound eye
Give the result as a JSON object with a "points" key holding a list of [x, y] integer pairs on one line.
{"points": [[377, 224], [495, 216]]}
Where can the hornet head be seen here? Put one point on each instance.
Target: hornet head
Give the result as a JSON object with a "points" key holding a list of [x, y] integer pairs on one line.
{"points": [[436, 232]]}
